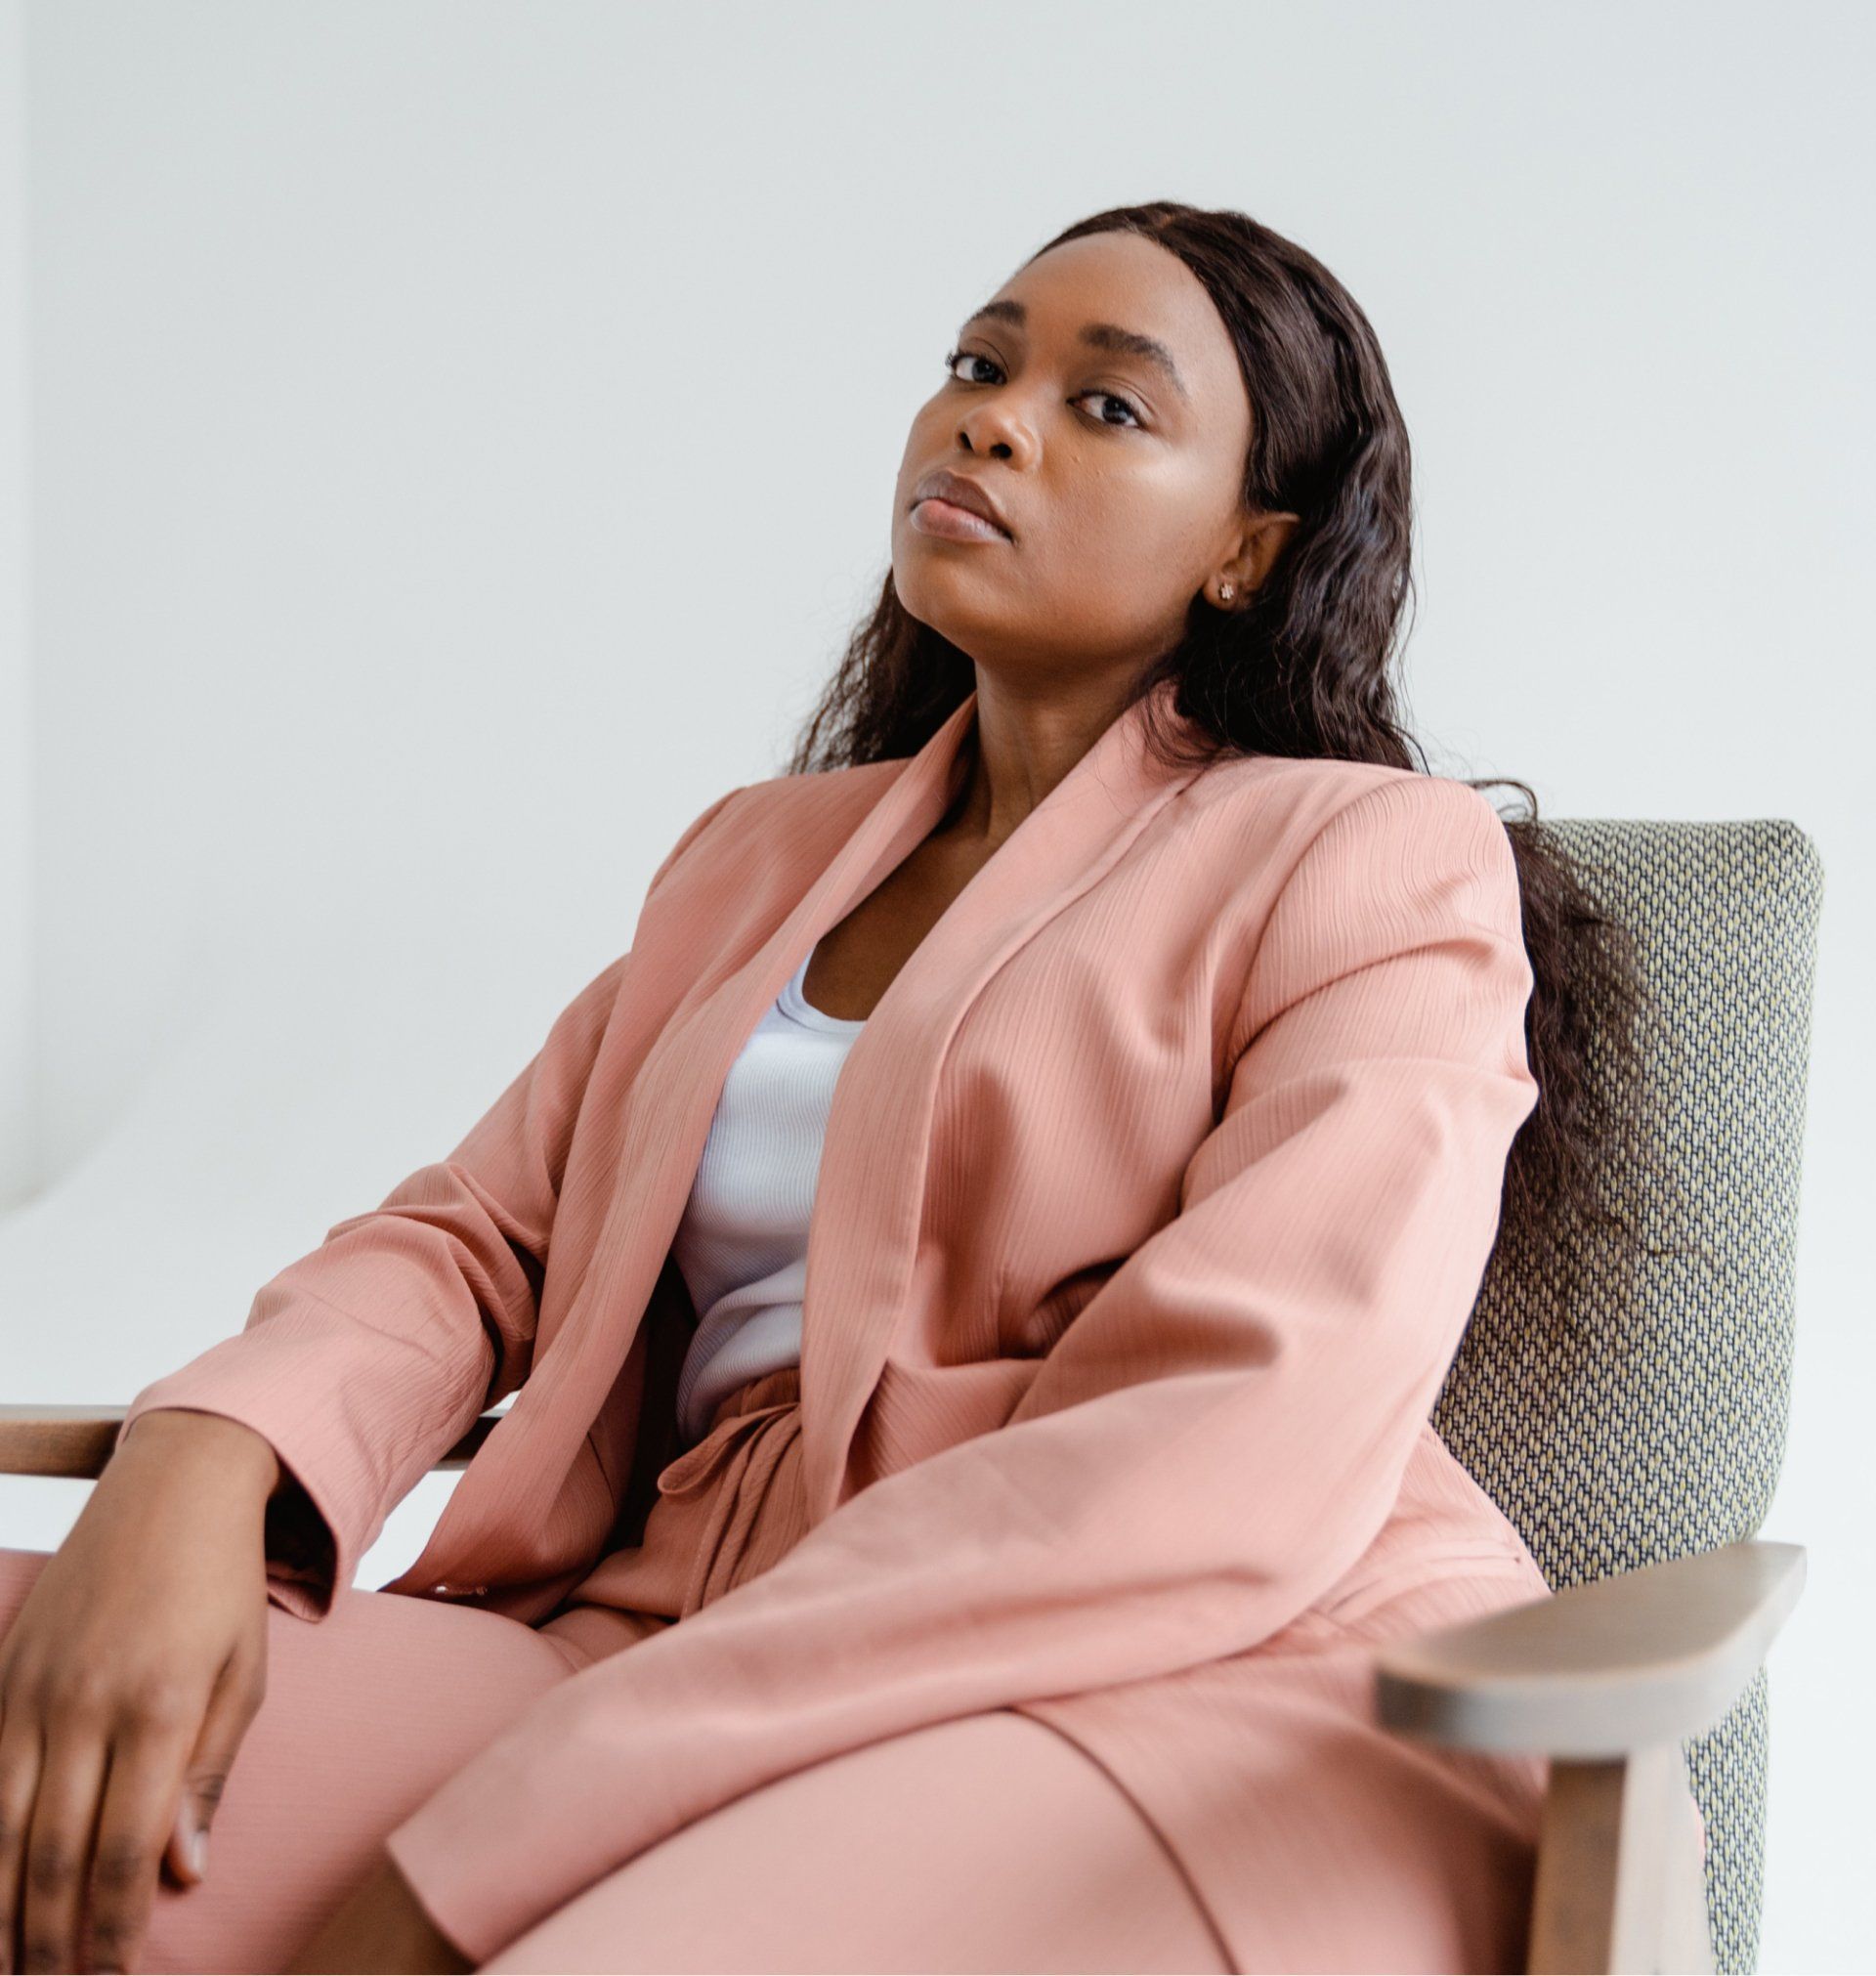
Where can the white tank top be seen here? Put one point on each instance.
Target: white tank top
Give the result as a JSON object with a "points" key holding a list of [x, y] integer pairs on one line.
{"points": [[742, 1245]]}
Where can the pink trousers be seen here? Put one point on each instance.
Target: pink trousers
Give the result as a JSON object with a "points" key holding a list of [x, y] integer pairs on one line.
{"points": [[986, 1843]]}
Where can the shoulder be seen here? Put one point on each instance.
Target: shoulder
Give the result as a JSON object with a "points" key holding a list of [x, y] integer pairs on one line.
{"points": [[1296, 804], [812, 789], [1322, 783], [777, 797], [1311, 853], [767, 806]]}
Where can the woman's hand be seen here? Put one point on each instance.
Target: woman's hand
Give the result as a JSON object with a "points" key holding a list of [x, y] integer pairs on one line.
{"points": [[381, 1927], [127, 1680]]}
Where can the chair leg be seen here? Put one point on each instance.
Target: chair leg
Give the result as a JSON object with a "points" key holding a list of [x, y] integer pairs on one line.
{"points": [[1619, 1891]]}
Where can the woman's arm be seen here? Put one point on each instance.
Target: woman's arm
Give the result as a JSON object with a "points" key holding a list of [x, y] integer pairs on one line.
{"points": [[1215, 1440]]}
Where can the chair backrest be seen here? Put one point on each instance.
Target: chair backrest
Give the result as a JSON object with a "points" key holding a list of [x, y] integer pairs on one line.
{"points": [[1647, 1419]]}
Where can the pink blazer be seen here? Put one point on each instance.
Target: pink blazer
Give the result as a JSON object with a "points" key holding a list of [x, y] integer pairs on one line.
{"points": [[1156, 1195]]}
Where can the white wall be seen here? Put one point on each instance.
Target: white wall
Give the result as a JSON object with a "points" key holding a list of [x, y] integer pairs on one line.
{"points": [[19, 1101], [405, 383]]}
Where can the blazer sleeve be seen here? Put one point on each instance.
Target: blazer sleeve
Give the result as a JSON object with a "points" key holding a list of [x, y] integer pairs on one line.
{"points": [[368, 1358], [1213, 1442]]}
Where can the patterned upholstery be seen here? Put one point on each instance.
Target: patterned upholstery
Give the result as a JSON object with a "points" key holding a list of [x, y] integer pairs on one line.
{"points": [[1647, 1420]]}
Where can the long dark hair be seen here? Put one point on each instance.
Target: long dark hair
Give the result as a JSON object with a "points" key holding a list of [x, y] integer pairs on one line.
{"points": [[1305, 670]]}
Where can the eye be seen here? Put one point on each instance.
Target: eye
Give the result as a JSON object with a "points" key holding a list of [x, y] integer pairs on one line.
{"points": [[954, 357]]}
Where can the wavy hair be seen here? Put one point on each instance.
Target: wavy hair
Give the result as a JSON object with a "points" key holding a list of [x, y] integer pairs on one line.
{"points": [[1306, 668]]}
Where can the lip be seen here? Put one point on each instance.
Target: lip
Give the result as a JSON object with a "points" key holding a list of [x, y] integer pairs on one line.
{"points": [[961, 493]]}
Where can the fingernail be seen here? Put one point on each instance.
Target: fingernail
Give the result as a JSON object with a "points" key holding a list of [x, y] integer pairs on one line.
{"points": [[198, 1852]]}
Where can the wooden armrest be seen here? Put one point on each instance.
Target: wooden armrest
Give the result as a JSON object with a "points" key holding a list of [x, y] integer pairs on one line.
{"points": [[77, 1441], [1641, 1658]]}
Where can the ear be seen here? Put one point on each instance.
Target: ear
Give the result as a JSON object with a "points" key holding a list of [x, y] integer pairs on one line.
{"points": [[1264, 541]]}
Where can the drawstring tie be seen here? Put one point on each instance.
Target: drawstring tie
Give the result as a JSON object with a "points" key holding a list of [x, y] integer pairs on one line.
{"points": [[739, 1457]]}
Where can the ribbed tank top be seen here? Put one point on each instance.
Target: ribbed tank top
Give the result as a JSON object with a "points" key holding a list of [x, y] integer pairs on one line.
{"points": [[742, 1245]]}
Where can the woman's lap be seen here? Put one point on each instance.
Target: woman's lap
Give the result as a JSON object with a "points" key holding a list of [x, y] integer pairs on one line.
{"points": [[986, 1843]]}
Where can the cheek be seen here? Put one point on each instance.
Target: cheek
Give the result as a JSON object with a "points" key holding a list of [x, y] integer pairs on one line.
{"points": [[1112, 569], [1125, 524]]}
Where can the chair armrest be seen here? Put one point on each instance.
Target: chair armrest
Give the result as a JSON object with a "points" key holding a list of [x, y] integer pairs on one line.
{"points": [[1601, 1669], [77, 1441]]}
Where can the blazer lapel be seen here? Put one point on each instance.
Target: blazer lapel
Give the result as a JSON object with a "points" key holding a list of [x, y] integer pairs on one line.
{"points": [[863, 1229], [863, 1235]]}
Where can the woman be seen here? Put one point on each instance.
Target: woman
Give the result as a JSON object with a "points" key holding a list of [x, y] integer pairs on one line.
{"points": [[990, 1582]]}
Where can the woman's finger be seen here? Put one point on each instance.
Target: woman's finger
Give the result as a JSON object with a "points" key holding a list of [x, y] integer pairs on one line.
{"points": [[59, 1837], [231, 1711], [148, 1758], [20, 1759]]}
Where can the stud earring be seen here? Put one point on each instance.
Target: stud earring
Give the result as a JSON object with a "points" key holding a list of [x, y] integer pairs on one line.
{"points": [[1226, 591]]}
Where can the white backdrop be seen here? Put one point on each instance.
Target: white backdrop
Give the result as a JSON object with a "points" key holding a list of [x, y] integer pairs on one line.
{"points": [[442, 446]]}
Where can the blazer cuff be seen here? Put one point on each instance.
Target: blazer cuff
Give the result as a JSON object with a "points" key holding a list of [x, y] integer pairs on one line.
{"points": [[448, 1874]]}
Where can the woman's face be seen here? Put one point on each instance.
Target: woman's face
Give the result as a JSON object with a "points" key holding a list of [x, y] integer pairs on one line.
{"points": [[1119, 478]]}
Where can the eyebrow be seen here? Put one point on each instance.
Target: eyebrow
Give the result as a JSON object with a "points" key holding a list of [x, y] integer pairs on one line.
{"points": [[1098, 335]]}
